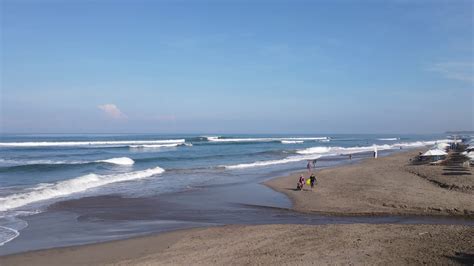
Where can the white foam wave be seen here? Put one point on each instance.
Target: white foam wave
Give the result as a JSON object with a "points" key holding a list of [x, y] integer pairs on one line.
{"points": [[117, 161], [317, 152], [29, 162], [292, 141], [7, 234], [341, 150], [71, 186], [210, 138], [352, 150], [290, 159], [390, 139], [88, 143], [155, 146], [10, 226], [218, 139]]}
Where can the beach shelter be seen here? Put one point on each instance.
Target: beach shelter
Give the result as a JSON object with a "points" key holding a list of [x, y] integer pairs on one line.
{"points": [[434, 152]]}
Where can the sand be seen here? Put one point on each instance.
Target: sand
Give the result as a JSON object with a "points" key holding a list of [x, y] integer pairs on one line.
{"points": [[382, 186], [358, 244]]}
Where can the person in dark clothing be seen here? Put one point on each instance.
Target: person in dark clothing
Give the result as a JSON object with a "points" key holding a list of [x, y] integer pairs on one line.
{"points": [[312, 179]]}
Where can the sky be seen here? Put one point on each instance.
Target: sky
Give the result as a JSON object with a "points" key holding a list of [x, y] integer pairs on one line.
{"points": [[236, 66]]}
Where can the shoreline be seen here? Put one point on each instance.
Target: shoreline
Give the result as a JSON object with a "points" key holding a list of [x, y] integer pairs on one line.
{"points": [[165, 242], [269, 244]]}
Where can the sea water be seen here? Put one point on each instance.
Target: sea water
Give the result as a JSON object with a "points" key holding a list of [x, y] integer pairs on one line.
{"points": [[39, 170]]}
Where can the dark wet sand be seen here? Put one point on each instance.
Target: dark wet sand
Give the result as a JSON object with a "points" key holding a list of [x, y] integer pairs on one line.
{"points": [[359, 244]]}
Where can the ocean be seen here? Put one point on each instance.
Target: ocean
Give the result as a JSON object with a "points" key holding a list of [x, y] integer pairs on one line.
{"points": [[40, 171]]}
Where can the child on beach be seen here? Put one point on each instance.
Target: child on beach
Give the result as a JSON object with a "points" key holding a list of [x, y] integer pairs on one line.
{"points": [[300, 184], [312, 179]]}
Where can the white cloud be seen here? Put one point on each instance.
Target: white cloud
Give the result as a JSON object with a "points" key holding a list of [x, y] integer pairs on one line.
{"points": [[112, 111], [463, 71]]}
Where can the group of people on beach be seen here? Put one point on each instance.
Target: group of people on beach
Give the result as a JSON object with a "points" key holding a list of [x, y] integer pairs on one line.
{"points": [[302, 181], [312, 178]]}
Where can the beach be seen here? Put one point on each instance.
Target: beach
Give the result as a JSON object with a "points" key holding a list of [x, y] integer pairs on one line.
{"points": [[372, 187], [383, 186], [273, 244]]}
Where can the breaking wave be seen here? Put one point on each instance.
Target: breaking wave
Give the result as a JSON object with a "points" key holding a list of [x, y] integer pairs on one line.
{"points": [[219, 139], [351, 150], [71, 186], [290, 159], [292, 141], [155, 146], [89, 143], [318, 152], [116, 161]]}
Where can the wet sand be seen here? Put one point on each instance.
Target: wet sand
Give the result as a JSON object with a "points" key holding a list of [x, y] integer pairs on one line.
{"points": [[274, 244], [382, 186]]}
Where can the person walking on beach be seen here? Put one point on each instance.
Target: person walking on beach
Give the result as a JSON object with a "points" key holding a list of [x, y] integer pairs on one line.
{"points": [[350, 156], [308, 166], [312, 179]]}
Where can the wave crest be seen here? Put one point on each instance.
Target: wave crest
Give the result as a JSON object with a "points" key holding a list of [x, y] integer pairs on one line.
{"points": [[219, 139], [16, 163], [292, 141], [118, 161], [157, 146], [290, 159], [71, 186], [88, 143]]}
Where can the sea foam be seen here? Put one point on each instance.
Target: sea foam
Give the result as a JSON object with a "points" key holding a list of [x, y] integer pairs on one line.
{"points": [[71, 186], [219, 139], [290, 159], [155, 146], [116, 161], [292, 141], [318, 152], [87, 143], [352, 150]]}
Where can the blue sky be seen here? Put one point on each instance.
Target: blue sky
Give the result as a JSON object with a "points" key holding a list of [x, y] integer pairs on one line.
{"points": [[236, 66]]}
